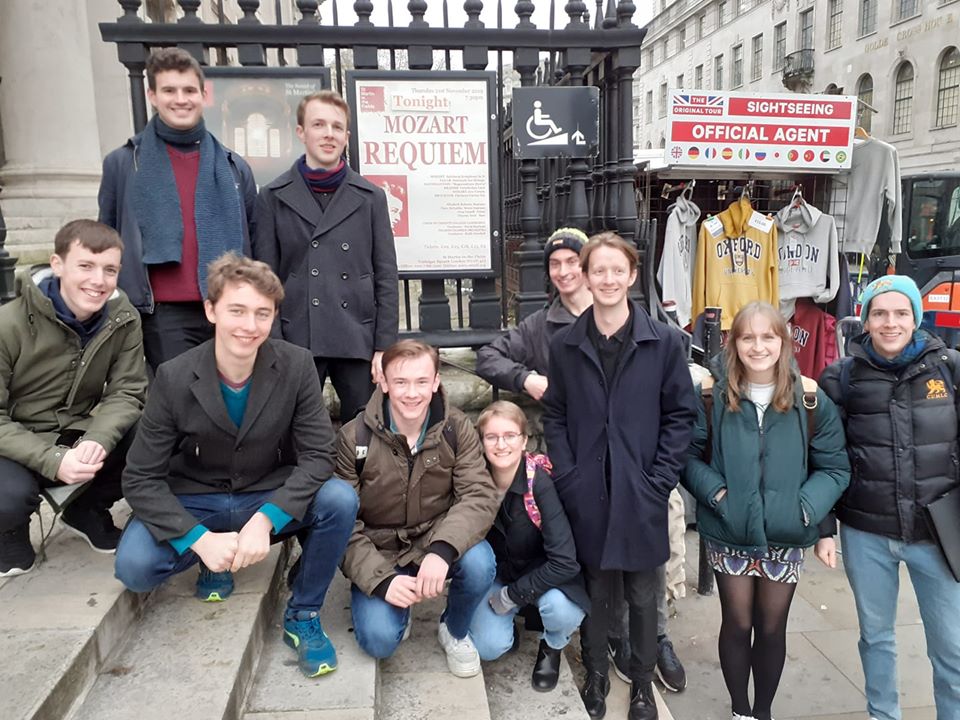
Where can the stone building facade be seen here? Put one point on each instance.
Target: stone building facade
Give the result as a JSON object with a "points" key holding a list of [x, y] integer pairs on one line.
{"points": [[901, 57]]}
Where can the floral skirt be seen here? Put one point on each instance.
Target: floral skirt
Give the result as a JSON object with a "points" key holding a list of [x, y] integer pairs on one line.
{"points": [[780, 564]]}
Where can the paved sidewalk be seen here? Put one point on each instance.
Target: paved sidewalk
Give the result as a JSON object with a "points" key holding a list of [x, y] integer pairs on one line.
{"points": [[822, 679]]}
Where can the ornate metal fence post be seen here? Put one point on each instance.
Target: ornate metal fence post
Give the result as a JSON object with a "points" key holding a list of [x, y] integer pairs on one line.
{"points": [[8, 289], [626, 61], [577, 59]]}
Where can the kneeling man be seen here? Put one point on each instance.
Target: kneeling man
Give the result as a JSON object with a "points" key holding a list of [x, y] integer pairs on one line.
{"points": [[426, 503], [234, 451]]}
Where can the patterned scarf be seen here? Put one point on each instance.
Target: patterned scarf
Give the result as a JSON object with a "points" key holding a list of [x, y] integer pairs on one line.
{"points": [[322, 181]]}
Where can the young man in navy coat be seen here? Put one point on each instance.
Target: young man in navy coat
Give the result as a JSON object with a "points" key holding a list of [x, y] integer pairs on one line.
{"points": [[235, 451], [619, 413], [326, 232]]}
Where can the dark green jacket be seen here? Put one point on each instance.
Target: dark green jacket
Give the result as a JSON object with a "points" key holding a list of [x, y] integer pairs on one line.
{"points": [[49, 383], [778, 488]]}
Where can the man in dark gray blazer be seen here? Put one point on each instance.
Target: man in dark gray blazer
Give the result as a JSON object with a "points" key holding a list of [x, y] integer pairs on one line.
{"points": [[235, 451], [326, 232]]}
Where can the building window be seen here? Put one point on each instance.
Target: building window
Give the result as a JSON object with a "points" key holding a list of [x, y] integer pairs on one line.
{"points": [[649, 106], [806, 30], [701, 23], [681, 37], [698, 77], [904, 9], [865, 93], [721, 13], [663, 99], [680, 81], [718, 72], [736, 75], [737, 7], [948, 89], [756, 64], [903, 99], [664, 51], [868, 17], [834, 24], [779, 45]]}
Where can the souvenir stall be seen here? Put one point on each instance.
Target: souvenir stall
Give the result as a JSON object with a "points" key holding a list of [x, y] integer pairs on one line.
{"points": [[779, 197]]}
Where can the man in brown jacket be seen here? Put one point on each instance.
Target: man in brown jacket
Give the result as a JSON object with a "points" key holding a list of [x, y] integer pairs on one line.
{"points": [[426, 503]]}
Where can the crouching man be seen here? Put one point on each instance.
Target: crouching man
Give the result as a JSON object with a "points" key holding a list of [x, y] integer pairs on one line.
{"points": [[69, 345], [234, 452], [426, 503]]}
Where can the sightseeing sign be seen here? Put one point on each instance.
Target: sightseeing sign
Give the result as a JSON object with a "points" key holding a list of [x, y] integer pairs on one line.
{"points": [[760, 131]]}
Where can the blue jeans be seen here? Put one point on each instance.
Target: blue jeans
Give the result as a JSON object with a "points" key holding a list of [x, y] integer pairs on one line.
{"points": [[379, 625], [872, 563], [493, 634], [143, 562]]}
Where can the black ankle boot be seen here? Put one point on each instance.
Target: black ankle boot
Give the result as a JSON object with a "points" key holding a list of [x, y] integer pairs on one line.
{"points": [[594, 694], [546, 670], [643, 705]]}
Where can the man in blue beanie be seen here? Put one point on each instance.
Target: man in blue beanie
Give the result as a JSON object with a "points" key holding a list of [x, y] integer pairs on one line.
{"points": [[897, 394]]}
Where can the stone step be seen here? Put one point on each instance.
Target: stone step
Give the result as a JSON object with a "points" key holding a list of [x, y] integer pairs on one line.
{"points": [[415, 683], [60, 622], [186, 659], [281, 692]]}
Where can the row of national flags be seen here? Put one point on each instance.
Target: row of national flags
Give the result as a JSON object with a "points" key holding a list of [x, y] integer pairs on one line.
{"points": [[710, 153]]}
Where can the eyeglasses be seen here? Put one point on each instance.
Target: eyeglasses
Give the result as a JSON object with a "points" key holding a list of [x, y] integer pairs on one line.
{"points": [[510, 438]]}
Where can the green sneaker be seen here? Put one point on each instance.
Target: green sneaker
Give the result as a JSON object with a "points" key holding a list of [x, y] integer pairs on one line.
{"points": [[302, 631], [214, 586]]}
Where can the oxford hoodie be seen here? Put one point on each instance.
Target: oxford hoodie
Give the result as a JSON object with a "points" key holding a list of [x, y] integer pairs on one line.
{"points": [[736, 261], [809, 259], [676, 263]]}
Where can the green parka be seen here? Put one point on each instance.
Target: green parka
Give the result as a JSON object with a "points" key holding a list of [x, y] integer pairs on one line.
{"points": [[779, 486], [49, 383]]}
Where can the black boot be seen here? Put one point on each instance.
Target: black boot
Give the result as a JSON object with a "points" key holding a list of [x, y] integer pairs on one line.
{"points": [[643, 705], [546, 670], [594, 694]]}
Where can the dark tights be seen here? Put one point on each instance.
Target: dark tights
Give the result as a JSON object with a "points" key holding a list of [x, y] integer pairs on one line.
{"points": [[754, 607]]}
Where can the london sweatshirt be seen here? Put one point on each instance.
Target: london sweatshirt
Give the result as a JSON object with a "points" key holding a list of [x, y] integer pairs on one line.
{"points": [[809, 258]]}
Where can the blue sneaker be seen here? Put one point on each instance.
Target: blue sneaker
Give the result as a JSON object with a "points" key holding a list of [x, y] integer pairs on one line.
{"points": [[302, 631], [214, 586]]}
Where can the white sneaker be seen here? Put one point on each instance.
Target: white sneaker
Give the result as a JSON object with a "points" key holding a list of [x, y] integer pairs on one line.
{"points": [[463, 660], [744, 717]]}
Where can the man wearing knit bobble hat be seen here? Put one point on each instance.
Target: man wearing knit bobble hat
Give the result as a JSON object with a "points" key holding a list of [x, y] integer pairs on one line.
{"points": [[517, 361], [897, 395]]}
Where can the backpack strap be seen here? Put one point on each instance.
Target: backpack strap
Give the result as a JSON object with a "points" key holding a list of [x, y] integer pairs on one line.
{"points": [[706, 394], [362, 443], [810, 405]]}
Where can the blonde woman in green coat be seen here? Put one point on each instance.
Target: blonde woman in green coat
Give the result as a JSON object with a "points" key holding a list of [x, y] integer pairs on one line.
{"points": [[765, 471]]}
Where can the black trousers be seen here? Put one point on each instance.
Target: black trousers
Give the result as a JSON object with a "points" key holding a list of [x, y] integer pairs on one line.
{"points": [[640, 592], [173, 328], [351, 380], [20, 487]]}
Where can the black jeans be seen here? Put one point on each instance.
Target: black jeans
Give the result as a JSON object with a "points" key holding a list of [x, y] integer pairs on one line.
{"points": [[20, 487], [351, 380], [173, 328], [640, 591]]}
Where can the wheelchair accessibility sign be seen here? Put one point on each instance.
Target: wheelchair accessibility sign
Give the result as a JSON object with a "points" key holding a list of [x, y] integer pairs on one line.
{"points": [[556, 122]]}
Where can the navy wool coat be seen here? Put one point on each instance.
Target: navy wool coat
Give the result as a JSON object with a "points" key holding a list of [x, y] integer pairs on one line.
{"points": [[618, 448]]}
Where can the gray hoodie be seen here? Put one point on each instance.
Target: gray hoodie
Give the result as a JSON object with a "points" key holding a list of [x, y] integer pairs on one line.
{"points": [[809, 260], [676, 263]]}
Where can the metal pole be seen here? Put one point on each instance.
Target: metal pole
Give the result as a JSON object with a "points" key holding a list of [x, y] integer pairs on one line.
{"points": [[711, 348]]}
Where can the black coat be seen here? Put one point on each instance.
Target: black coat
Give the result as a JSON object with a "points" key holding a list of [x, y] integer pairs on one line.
{"points": [[338, 266], [532, 560], [901, 437], [186, 442], [640, 424]]}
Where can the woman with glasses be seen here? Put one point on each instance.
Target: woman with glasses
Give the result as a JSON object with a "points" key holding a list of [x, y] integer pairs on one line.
{"points": [[536, 558]]}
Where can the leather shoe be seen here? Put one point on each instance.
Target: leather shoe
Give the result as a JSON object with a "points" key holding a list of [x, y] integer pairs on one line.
{"points": [[594, 694], [643, 705], [546, 670]]}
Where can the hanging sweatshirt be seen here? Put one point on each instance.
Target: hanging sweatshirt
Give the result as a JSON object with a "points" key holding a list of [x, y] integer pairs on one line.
{"points": [[736, 261], [814, 335], [809, 258], [676, 262], [868, 194]]}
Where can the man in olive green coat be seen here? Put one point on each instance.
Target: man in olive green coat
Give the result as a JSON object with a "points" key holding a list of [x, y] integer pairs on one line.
{"points": [[72, 385]]}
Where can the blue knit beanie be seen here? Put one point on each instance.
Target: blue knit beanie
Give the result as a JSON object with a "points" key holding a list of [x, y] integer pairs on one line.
{"points": [[892, 283]]}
